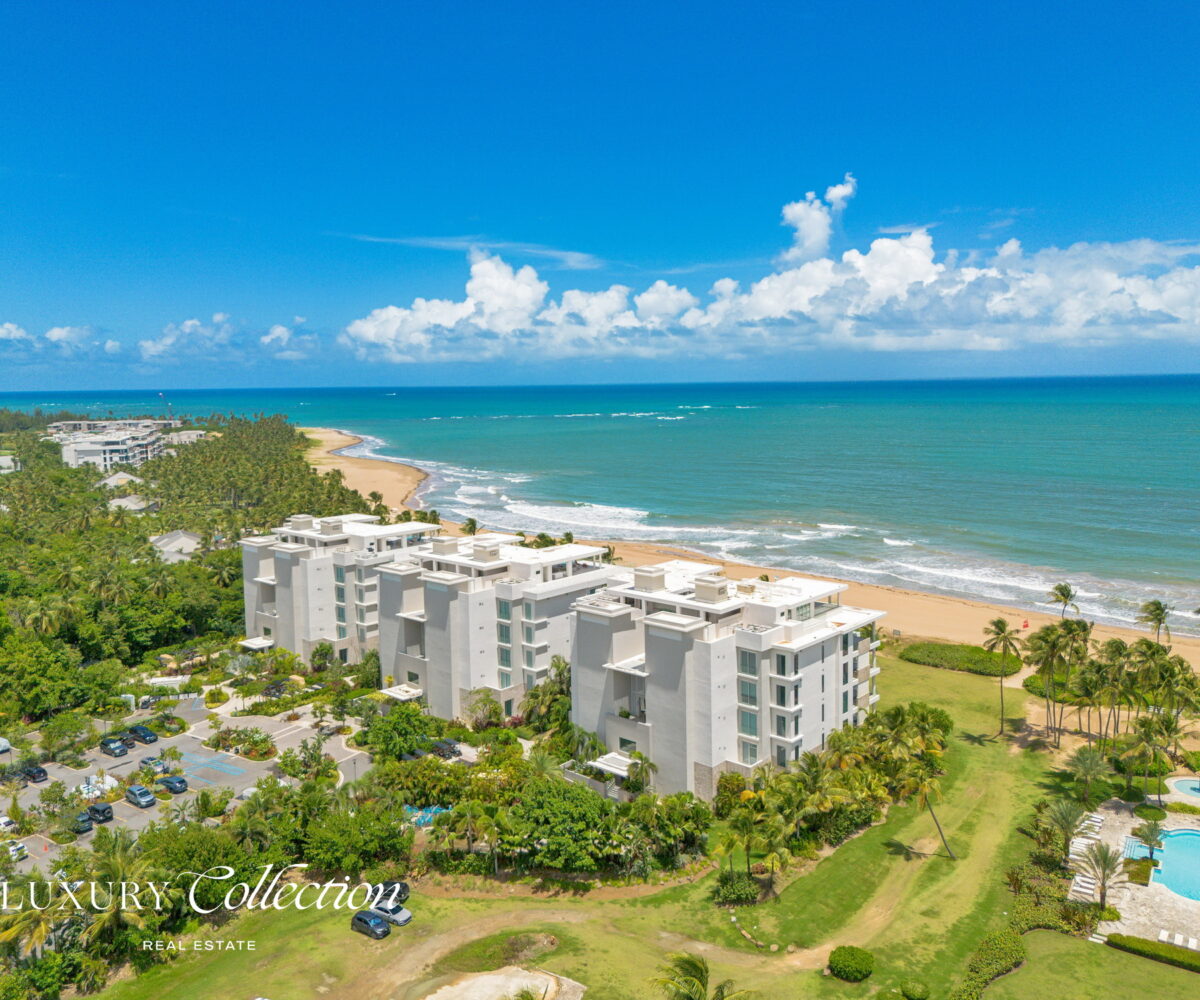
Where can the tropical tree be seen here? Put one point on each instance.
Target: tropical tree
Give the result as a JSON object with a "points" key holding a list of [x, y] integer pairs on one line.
{"points": [[1155, 614], [686, 977], [1065, 817], [923, 786], [1064, 594], [1106, 865], [1089, 765], [1150, 833], [641, 771], [1000, 638]]}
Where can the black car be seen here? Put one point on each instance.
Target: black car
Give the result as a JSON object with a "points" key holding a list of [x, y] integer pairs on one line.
{"points": [[387, 888], [100, 812], [126, 740], [34, 773], [113, 747], [173, 783], [370, 924], [143, 734], [83, 823]]}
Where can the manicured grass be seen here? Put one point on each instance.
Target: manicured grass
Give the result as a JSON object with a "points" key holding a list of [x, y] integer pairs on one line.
{"points": [[892, 890], [1067, 968]]}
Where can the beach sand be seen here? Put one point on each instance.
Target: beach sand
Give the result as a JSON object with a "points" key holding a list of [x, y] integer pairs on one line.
{"points": [[911, 612]]}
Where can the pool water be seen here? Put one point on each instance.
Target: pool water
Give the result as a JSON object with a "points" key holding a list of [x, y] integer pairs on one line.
{"points": [[1186, 786], [1178, 861], [423, 817]]}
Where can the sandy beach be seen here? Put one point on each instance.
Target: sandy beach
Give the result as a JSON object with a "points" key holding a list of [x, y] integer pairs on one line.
{"points": [[911, 612]]}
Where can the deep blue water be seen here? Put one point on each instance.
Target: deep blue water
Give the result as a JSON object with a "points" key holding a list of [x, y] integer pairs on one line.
{"points": [[989, 489]]}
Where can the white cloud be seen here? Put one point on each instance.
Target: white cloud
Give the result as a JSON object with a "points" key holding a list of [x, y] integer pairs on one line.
{"points": [[112, 347], [71, 339], [898, 294], [191, 338], [567, 260], [12, 332]]}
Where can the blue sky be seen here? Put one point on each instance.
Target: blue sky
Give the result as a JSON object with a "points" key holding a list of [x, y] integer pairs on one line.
{"points": [[274, 194]]}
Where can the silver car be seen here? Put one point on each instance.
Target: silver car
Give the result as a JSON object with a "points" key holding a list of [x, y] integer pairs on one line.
{"points": [[393, 913]]}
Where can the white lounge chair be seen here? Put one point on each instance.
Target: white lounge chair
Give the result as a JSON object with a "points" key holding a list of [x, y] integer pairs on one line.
{"points": [[1164, 937], [1192, 944]]}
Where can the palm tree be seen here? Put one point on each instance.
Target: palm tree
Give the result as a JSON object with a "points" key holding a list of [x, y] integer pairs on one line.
{"points": [[470, 526], [249, 829], [999, 638], [641, 770], [1155, 614], [686, 977], [1150, 833], [1064, 594], [924, 786], [1145, 749], [1089, 765], [35, 927], [1105, 864], [1066, 818], [743, 825], [1045, 649]]}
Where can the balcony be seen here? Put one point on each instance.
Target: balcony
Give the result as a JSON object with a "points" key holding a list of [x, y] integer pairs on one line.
{"points": [[269, 610]]}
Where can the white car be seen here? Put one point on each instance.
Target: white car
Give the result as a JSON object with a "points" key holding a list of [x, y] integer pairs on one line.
{"points": [[7, 825], [16, 850], [393, 913]]}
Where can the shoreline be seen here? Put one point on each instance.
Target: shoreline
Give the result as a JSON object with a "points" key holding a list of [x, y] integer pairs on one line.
{"points": [[915, 613]]}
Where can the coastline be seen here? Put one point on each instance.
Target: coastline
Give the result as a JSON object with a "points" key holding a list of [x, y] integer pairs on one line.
{"points": [[914, 613]]}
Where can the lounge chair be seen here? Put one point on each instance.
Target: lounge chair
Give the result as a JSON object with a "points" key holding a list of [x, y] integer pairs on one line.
{"points": [[1164, 937]]}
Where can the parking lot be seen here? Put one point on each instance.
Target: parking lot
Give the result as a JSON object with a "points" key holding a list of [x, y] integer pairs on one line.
{"points": [[202, 767]]}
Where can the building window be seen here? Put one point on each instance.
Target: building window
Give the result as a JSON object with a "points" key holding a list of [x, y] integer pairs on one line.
{"points": [[360, 614], [822, 684], [339, 574], [626, 746], [781, 664], [341, 632], [341, 613], [505, 679], [748, 662], [845, 702], [360, 595], [505, 657], [796, 726], [747, 692], [780, 695], [339, 594], [362, 634], [504, 633], [508, 707], [781, 725], [528, 610], [747, 723], [504, 610], [529, 657], [749, 752], [528, 630], [781, 756], [343, 655], [414, 677], [267, 633], [845, 673]]}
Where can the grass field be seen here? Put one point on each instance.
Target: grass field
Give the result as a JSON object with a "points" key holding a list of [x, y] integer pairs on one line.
{"points": [[892, 889]]}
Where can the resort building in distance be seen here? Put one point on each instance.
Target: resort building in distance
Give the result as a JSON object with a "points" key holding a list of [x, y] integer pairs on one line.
{"points": [[699, 673], [109, 443]]}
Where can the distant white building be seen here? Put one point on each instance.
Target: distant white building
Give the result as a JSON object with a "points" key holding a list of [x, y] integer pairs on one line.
{"points": [[176, 546], [135, 503], [9, 463], [184, 437], [480, 612], [315, 580], [106, 444], [703, 675]]}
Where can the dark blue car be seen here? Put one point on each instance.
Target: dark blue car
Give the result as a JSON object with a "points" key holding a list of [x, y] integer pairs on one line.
{"points": [[174, 783]]}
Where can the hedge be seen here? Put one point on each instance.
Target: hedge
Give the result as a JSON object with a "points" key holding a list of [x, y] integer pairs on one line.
{"points": [[1149, 813], [851, 964], [972, 659], [997, 954], [914, 990], [1169, 954], [1183, 807], [735, 889]]}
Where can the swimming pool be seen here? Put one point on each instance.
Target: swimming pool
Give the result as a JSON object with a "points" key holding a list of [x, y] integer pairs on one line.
{"points": [[1185, 786], [1178, 861], [423, 817]]}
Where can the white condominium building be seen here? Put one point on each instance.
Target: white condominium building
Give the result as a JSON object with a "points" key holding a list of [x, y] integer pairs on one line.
{"points": [[109, 444], [315, 580], [480, 612], [703, 675]]}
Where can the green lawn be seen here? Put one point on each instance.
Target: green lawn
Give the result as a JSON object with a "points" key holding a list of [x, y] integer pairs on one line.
{"points": [[892, 889], [1067, 968]]}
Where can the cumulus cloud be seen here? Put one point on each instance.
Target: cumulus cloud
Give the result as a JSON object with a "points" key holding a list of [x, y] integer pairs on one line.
{"points": [[11, 332], [191, 338], [899, 293]]}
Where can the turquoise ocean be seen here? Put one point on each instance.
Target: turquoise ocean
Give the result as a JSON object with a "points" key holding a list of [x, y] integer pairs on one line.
{"points": [[985, 489]]}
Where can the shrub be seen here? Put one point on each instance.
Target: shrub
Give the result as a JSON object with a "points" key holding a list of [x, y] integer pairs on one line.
{"points": [[1169, 954], [841, 822], [1137, 870], [972, 659], [459, 862], [913, 989], [997, 954], [1131, 765], [214, 697], [729, 787], [1183, 807], [851, 964], [1149, 812], [735, 889]]}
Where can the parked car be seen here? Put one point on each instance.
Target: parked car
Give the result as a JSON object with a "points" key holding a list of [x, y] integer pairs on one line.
{"points": [[393, 892], [143, 734], [100, 812], [83, 823], [156, 764], [140, 796], [113, 747], [35, 773], [393, 913], [371, 924], [173, 783], [16, 850], [5, 746], [149, 701], [7, 825], [124, 736]]}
